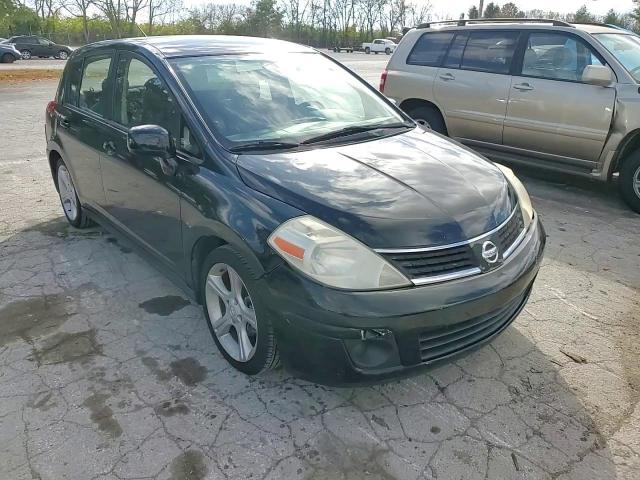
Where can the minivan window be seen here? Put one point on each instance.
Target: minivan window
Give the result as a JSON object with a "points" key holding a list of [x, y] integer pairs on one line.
{"points": [[285, 98], [93, 83], [557, 56], [490, 51], [454, 56], [430, 49]]}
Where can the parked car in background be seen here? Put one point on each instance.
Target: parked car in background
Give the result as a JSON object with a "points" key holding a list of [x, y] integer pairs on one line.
{"points": [[8, 53], [379, 45], [543, 93], [314, 220], [33, 46]]}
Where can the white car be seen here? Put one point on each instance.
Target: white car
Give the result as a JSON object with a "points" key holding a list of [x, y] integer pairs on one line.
{"points": [[379, 45]]}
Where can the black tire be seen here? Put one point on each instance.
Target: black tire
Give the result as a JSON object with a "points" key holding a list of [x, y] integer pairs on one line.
{"points": [[266, 355], [367, 50], [8, 58], [629, 175], [429, 117], [375, 53], [26, 54], [387, 51], [81, 220]]}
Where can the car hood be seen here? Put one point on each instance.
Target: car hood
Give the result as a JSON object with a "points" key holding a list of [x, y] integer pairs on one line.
{"points": [[407, 190]]}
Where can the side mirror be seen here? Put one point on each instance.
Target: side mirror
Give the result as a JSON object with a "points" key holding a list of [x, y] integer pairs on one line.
{"points": [[150, 140], [597, 75]]}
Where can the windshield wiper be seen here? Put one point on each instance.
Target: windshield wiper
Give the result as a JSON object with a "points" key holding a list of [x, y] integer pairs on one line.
{"points": [[263, 145], [346, 131]]}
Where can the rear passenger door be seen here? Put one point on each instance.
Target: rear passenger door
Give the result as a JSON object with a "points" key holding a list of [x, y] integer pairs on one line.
{"points": [[81, 123], [551, 110], [472, 86]]}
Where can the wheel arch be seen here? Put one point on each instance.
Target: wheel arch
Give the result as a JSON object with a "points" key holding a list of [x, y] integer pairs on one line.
{"points": [[629, 144], [410, 103], [54, 156]]}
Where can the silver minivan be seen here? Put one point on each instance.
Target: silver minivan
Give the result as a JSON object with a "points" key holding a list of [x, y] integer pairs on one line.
{"points": [[545, 93]]}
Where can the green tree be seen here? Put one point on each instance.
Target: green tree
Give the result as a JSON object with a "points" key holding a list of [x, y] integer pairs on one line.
{"points": [[511, 10], [612, 18], [264, 19], [473, 12], [492, 11], [582, 15]]}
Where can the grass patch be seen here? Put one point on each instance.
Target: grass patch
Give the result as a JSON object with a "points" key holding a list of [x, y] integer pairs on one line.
{"points": [[29, 74]]}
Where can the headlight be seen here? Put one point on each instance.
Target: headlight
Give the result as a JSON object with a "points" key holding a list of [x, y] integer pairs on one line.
{"points": [[332, 257], [521, 192]]}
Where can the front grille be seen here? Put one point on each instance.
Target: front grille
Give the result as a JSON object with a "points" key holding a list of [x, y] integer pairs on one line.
{"points": [[443, 341], [436, 262], [443, 263]]}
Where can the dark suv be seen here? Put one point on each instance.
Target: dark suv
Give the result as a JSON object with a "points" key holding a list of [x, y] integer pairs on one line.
{"points": [[32, 46], [314, 220]]}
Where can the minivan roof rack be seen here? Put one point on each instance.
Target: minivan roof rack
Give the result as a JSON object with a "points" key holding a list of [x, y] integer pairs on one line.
{"points": [[463, 22]]}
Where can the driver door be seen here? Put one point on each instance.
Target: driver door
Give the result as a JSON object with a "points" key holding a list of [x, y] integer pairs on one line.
{"points": [[142, 198]]}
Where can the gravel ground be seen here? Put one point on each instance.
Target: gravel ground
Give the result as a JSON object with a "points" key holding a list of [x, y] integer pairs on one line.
{"points": [[108, 372]]}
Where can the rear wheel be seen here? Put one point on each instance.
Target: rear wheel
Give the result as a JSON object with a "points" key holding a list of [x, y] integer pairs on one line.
{"points": [[62, 55], [8, 58], [387, 51], [235, 311], [429, 117], [26, 54], [74, 212], [630, 181], [367, 50]]}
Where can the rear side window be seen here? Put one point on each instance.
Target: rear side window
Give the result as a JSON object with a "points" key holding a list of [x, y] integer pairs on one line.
{"points": [[490, 51], [430, 49], [454, 57], [72, 86], [93, 86]]}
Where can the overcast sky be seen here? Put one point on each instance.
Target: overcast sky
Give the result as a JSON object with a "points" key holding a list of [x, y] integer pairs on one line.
{"points": [[453, 8]]}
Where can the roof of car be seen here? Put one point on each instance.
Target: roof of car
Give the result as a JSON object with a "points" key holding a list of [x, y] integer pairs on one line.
{"points": [[194, 45], [525, 23]]}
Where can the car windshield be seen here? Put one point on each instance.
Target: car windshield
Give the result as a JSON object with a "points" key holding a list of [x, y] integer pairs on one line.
{"points": [[626, 48], [262, 99]]}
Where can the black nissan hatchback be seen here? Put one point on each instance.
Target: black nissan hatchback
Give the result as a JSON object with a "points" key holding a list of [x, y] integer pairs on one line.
{"points": [[315, 222]]}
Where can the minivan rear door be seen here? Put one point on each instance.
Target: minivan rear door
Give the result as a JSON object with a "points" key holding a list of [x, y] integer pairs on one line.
{"points": [[472, 86], [550, 109]]}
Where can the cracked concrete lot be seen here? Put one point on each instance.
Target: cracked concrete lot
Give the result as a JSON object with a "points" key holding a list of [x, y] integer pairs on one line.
{"points": [[108, 372]]}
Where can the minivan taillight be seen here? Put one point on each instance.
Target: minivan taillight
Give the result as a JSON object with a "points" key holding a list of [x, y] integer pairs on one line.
{"points": [[383, 80], [51, 107]]}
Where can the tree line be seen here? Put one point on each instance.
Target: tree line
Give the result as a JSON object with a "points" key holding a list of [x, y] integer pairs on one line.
{"points": [[321, 23]]}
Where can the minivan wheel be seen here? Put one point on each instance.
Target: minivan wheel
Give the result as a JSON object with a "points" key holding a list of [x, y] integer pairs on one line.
{"points": [[74, 212], [8, 58], [429, 117], [236, 313], [630, 181], [26, 54], [62, 55]]}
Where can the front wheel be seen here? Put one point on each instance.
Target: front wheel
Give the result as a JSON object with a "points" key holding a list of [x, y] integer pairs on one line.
{"points": [[236, 312], [26, 54], [62, 55], [630, 181], [367, 50]]}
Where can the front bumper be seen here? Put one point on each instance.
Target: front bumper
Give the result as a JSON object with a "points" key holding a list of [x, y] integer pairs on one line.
{"points": [[341, 338]]}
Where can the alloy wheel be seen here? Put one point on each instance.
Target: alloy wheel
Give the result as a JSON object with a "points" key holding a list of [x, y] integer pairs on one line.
{"points": [[636, 182], [26, 54], [68, 195], [62, 55], [231, 312]]}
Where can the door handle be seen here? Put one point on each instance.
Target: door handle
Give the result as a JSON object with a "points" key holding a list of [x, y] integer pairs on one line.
{"points": [[64, 121], [109, 147], [523, 87], [447, 76]]}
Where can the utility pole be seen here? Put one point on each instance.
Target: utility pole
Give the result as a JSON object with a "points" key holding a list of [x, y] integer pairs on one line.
{"points": [[480, 9]]}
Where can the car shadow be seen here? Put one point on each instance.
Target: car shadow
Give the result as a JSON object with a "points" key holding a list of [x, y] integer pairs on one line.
{"points": [[119, 350]]}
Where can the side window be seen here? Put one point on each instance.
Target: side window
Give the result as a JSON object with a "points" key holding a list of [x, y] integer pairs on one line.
{"points": [[454, 57], [143, 99], [72, 86], [557, 56], [93, 86], [42, 41], [489, 51], [430, 49]]}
